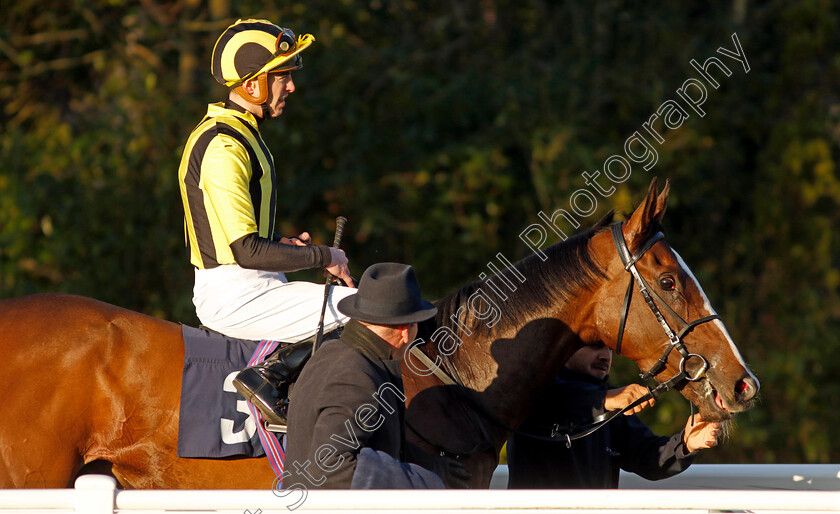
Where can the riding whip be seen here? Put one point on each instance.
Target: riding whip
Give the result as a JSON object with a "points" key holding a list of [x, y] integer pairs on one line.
{"points": [[339, 231]]}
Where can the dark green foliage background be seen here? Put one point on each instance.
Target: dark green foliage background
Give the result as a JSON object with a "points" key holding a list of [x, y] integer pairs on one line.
{"points": [[440, 129]]}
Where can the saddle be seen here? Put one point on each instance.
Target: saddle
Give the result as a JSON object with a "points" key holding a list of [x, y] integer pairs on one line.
{"points": [[268, 385]]}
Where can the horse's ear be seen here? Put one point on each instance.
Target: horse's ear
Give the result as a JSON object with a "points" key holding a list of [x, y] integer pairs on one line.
{"points": [[647, 218]]}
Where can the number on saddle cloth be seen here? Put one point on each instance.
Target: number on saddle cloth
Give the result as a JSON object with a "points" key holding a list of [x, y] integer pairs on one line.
{"points": [[215, 421]]}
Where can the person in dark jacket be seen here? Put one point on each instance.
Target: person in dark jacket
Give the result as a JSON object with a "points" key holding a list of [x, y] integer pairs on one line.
{"points": [[347, 409], [578, 395]]}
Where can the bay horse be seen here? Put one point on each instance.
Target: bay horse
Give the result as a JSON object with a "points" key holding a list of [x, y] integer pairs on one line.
{"points": [[91, 383], [500, 344]]}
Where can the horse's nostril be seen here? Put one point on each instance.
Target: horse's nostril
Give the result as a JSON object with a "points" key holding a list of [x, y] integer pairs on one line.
{"points": [[746, 388]]}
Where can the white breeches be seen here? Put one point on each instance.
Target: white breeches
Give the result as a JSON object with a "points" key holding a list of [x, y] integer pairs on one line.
{"points": [[253, 304]]}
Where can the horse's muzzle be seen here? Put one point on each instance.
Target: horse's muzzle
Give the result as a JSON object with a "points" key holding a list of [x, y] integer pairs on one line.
{"points": [[746, 388]]}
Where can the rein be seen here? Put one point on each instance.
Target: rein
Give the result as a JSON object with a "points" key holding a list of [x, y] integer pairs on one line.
{"points": [[453, 379], [675, 341]]}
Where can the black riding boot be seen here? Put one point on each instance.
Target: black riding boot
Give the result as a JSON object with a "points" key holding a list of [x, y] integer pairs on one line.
{"points": [[266, 385]]}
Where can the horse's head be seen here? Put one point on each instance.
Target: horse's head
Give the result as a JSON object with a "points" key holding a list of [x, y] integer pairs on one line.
{"points": [[669, 326]]}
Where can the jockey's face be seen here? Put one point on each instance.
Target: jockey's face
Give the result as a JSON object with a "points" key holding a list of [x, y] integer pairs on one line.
{"points": [[593, 359], [280, 85]]}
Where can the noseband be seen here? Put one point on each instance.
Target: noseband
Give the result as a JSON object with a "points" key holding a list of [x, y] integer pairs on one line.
{"points": [[675, 341], [648, 293]]}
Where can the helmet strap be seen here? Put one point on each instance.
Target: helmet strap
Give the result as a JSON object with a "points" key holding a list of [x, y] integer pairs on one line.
{"points": [[262, 99], [262, 80]]}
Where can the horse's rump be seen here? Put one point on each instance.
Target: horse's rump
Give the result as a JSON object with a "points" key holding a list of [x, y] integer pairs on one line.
{"points": [[87, 381]]}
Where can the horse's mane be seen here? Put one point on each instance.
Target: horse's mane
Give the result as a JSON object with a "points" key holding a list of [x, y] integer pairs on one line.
{"points": [[568, 270]]}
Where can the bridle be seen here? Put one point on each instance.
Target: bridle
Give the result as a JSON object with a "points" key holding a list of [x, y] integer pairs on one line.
{"points": [[675, 339], [675, 342]]}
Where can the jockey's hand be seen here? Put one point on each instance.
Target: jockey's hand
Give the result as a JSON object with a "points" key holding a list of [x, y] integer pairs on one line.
{"points": [[623, 396], [702, 434], [338, 266], [302, 240]]}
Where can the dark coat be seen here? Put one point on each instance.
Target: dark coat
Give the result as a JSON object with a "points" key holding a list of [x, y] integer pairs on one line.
{"points": [[348, 397], [593, 461]]}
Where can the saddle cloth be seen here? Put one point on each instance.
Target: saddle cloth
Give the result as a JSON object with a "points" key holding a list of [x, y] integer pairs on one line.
{"points": [[215, 421]]}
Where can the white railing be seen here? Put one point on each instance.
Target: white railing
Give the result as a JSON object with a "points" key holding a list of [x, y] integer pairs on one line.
{"points": [[786, 477], [702, 488]]}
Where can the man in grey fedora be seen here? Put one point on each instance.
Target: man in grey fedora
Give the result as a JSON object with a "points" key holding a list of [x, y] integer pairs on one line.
{"points": [[347, 410]]}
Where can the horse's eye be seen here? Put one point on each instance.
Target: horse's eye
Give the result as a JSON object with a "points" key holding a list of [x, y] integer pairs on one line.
{"points": [[667, 283]]}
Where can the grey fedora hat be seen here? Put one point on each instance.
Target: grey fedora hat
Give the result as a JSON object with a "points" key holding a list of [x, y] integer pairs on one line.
{"points": [[388, 294]]}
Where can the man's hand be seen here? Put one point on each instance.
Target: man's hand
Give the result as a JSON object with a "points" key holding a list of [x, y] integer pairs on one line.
{"points": [[702, 434], [623, 396], [338, 261], [338, 266], [301, 240]]}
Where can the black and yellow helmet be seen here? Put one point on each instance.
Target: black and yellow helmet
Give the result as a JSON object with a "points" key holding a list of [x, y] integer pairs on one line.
{"points": [[250, 48]]}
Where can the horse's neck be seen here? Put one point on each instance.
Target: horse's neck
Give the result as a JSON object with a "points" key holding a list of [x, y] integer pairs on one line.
{"points": [[509, 369]]}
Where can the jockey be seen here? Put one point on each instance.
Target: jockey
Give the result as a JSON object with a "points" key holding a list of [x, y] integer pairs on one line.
{"points": [[228, 188]]}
